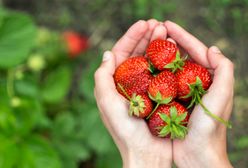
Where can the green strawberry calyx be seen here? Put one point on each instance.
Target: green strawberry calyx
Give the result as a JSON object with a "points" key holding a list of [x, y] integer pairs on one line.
{"points": [[196, 92], [178, 63], [137, 103], [159, 100], [174, 124]]}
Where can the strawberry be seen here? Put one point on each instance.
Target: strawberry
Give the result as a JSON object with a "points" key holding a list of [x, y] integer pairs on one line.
{"points": [[140, 105], [75, 42], [132, 79], [170, 121], [193, 81], [133, 75], [163, 87], [164, 55]]}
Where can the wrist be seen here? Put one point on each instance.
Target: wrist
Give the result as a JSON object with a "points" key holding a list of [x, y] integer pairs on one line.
{"points": [[146, 159]]}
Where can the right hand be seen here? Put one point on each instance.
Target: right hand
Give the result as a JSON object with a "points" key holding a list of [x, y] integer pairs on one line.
{"points": [[205, 144]]}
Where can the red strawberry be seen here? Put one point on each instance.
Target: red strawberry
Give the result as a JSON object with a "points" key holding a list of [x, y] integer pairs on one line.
{"points": [[140, 105], [132, 79], [163, 87], [169, 121], [133, 75], [193, 81], [75, 42], [164, 55]]}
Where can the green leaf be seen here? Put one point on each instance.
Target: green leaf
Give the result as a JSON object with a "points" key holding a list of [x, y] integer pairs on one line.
{"points": [[7, 118], [158, 96], [109, 160], [93, 130], [56, 85], [181, 117], [169, 66], [28, 115], [27, 88], [68, 141], [242, 142], [17, 34], [38, 153], [8, 152], [165, 131], [166, 101], [173, 113], [87, 79], [165, 118]]}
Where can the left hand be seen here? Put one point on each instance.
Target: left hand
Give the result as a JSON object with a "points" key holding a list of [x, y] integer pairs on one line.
{"points": [[138, 147]]}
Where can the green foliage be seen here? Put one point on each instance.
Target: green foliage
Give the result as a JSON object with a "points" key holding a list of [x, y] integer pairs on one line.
{"points": [[47, 118], [56, 85], [17, 33]]}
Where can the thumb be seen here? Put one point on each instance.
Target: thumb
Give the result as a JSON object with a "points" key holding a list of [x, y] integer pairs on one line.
{"points": [[220, 93], [223, 80], [104, 82]]}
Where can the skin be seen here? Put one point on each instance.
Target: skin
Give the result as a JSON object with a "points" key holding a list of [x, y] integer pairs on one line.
{"points": [[205, 144]]}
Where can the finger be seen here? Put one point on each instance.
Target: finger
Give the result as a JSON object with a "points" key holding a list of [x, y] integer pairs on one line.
{"points": [[106, 93], [171, 40], [160, 32], [104, 82], [141, 47], [220, 92], [128, 42], [195, 48]]}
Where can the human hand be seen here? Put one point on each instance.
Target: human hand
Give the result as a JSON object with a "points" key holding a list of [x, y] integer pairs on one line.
{"points": [[205, 144], [138, 147]]}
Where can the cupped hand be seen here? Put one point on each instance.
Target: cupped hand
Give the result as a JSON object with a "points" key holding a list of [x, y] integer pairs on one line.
{"points": [[205, 144], [138, 147]]}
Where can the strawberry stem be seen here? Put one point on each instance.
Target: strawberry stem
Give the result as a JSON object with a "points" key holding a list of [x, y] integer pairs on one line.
{"points": [[136, 105], [178, 63], [153, 111], [226, 123], [123, 90], [196, 92], [174, 124]]}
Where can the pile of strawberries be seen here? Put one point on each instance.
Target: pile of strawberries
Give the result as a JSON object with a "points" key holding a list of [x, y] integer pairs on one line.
{"points": [[159, 83]]}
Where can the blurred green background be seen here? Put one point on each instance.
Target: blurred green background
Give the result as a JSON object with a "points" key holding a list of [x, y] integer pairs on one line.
{"points": [[48, 115]]}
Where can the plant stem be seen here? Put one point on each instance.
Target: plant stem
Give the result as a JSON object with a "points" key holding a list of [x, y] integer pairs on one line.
{"points": [[123, 90], [10, 83], [153, 111], [227, 124]]}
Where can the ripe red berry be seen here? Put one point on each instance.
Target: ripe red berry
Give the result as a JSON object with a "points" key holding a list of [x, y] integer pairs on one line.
{"points": [[75, 43], [140, 105], [169, 120], [133, 75], [193, 79], [193, 82], [164, 55], [163, 87]]}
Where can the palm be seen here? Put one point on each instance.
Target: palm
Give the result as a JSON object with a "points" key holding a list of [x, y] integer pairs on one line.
{"points": [[203, 130], [134, 43], [124, 129]]}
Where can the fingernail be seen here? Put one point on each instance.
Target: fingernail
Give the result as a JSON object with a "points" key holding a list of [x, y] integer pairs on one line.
{"points": [[106, 56], [215, 49]]}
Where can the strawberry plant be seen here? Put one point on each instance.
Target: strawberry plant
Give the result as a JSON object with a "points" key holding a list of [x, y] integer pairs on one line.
{"points": [[47, 104]]}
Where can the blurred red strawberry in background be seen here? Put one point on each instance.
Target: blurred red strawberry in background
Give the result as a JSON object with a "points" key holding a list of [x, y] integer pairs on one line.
{"points": [[76, 43]]}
